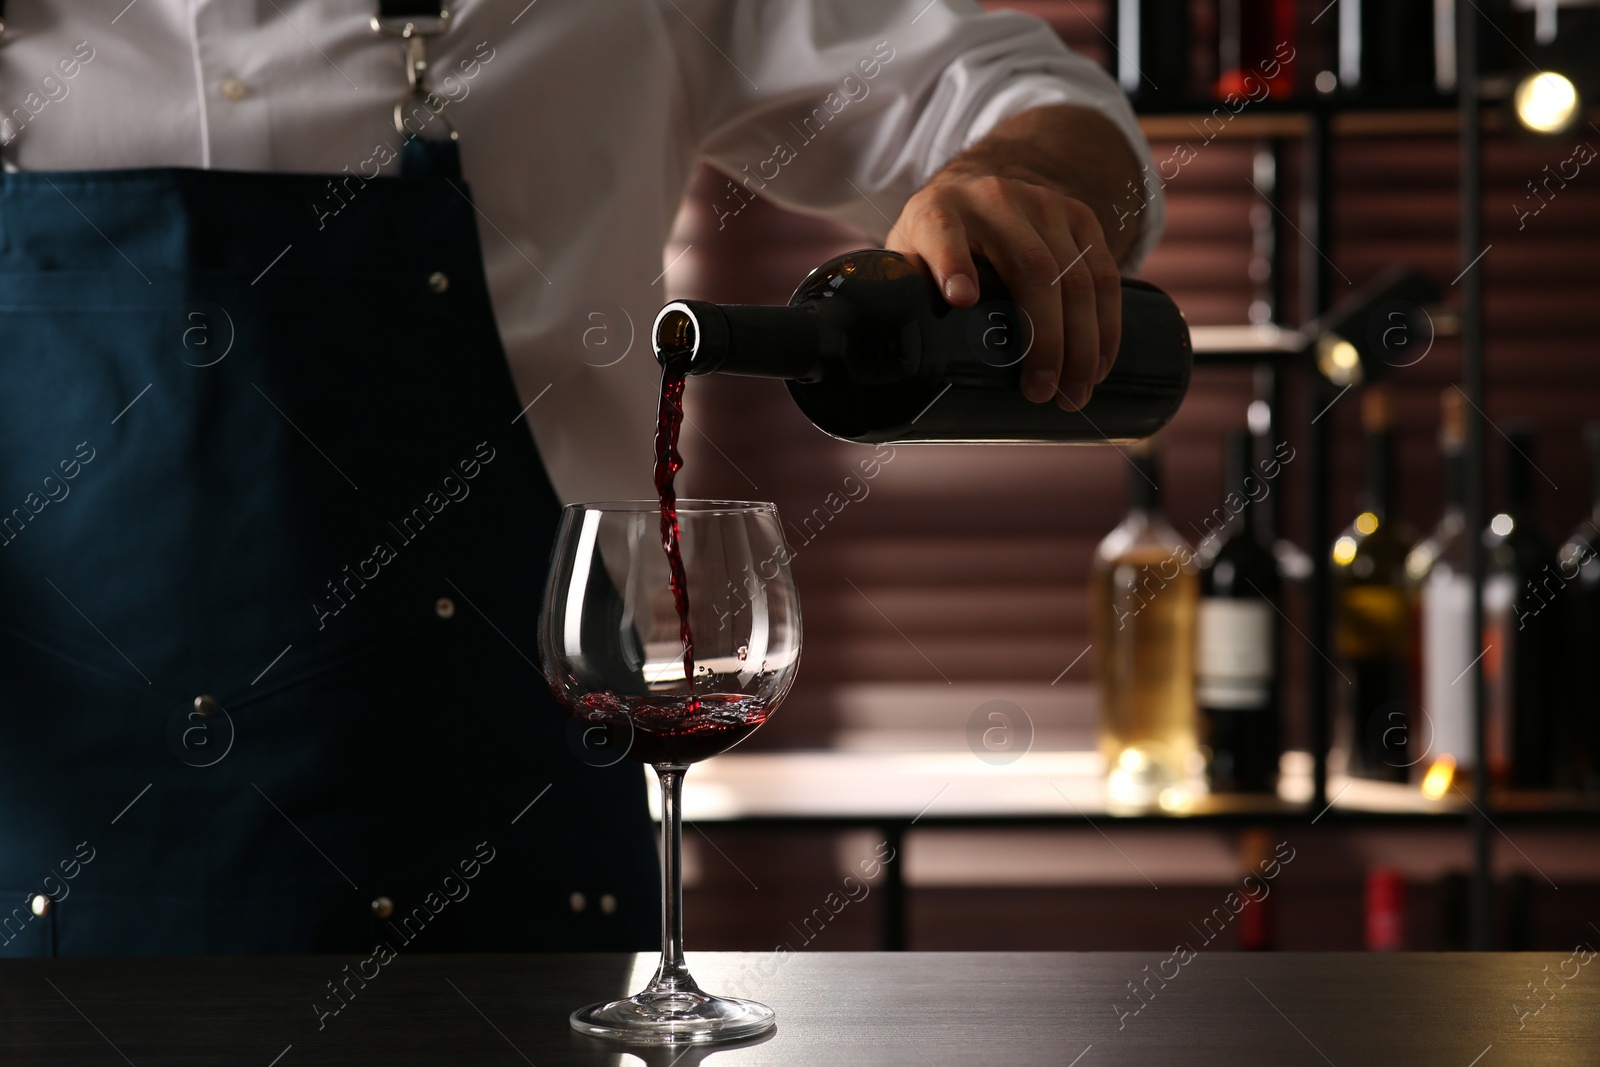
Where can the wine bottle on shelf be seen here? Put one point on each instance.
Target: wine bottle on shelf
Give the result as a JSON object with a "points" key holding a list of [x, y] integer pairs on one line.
{"points": [[1272, 452], [1385, 910], [1439, 569], [1255, 49], [872, 353], [1257, 919], [1387, 49], [1521, 627], [1237, 688], [1579, 571], [1143, 592], [1373, 622], [1153, 44]]}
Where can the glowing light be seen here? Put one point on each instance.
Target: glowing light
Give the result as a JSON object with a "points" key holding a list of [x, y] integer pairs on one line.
{"points": [[1502, 524], [1546, 102], [1436, 783], [1366, 522], [1338, 360], [1344, 550], [1131, 760], [1175, 799]]}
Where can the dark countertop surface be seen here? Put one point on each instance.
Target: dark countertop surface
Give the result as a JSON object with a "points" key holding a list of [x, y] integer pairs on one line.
{"points": [[1062, 1009]]}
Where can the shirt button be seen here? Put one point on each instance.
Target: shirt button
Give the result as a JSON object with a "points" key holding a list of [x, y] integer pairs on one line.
{"points": [[383, 907], [204, 705], [234, 89], [577, 901], [39, 905], [608, 904], [438, 282], [444, 607]]}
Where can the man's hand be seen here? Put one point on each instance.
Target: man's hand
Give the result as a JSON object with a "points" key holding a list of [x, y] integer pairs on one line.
{"points": [[1037, 197]]}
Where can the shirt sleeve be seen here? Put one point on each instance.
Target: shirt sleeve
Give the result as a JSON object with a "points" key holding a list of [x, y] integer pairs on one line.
{"points": [[846, 108]]}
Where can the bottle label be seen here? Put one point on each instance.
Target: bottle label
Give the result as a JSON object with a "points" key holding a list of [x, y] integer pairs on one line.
{"points": [[1234, 654], [1448, 649]]}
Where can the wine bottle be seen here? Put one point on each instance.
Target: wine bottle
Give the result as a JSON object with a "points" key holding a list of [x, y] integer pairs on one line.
{"points": [[1521, 628], [1294, 563], [1386, 49], [1439, 569], [1236, 659], [1142, 600], [872, 353], [1153, 43], [1579, 568], [1257, 916], [1385, 910], [1255, 49], [1373, 625]]}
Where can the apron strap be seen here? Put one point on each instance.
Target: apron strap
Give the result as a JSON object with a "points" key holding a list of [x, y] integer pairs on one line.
{"points": [[395, 9], [411, 18], [414, 21]]}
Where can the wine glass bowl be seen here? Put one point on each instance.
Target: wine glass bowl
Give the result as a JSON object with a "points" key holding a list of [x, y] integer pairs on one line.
{"points": [[618, 657], [611, 641]]}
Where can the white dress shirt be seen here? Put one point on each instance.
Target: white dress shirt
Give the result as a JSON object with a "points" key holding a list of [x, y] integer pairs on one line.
{"points": [[580, 123]]}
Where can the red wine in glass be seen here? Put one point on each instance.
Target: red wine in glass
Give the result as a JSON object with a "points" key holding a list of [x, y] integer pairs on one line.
{"points": [[666, 729]]}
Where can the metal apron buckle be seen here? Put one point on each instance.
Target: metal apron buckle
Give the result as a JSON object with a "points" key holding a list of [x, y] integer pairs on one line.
{"points": [[414, 32]]}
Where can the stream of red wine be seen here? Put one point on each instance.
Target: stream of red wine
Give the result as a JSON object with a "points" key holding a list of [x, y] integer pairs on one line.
{"points": [[669, 420]]}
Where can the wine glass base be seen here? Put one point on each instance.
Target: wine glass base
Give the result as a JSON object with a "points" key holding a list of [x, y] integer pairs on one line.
{"points": [[682, 1018]]}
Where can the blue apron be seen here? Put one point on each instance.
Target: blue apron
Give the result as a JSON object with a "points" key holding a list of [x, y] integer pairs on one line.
{"points": [[272, 542]]}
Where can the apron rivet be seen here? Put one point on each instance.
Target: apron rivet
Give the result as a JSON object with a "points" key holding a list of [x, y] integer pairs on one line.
{"points": [[444, 607], [383, 907], [608, 904], [204, 705], [438, 282], [40, 905], [577, 902]]}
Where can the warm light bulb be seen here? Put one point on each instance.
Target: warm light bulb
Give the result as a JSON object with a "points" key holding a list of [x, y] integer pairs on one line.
{"points": [[1344, 550], [1338, 360], [1366, 522], [1546, 102], [1436, 783]]}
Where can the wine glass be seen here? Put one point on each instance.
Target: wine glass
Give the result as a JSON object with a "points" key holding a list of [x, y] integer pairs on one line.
{"points": [[615, 650]]}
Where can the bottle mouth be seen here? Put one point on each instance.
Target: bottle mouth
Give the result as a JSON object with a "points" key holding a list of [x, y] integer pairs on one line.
{"points": [[676, 336]]}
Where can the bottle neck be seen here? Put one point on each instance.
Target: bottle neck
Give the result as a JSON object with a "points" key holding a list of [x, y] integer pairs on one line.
{"points": [[754, 340], [1380, 473], [1455, 481], [1144, 486], [1244, 485], [1519, 475]]}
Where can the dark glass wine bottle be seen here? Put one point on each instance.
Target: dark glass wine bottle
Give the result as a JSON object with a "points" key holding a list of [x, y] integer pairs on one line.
{"points": [[1154, 38], [1521, 628], [872, 353], [1255, 49], [1236, 659], [1579, 572], [1386, 49], [1373, 626]]}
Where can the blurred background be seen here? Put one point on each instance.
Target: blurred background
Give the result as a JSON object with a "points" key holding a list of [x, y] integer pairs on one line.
{"points": [[959, 576]]}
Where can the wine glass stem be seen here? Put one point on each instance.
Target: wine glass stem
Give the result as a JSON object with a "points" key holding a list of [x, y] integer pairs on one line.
{"points": [[673, 974]]}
